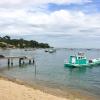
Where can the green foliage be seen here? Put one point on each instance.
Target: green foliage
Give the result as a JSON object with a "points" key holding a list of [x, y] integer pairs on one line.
{"points": [[2, 45], [21, 43]]}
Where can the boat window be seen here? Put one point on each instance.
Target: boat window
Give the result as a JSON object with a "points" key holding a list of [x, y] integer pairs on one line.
{"points": [[80, 57]]}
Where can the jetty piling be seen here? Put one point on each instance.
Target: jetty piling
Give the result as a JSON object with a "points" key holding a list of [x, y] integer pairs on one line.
{"points": [[33, 61], [29, 61], [21, 60], [11, 61], [8, 62]]}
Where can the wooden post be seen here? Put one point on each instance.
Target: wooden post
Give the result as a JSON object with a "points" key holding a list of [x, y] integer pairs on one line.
{"points": [[12, 61], [23, 62], [35, 69], [29, 61], [33, 61], [19, 61], [8, 61]]}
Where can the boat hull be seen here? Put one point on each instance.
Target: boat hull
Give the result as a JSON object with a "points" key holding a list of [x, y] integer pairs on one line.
{"points": [[82, 65]]}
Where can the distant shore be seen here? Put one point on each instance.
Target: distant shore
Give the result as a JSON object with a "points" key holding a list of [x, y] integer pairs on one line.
{"points": [[7, 42], [11, 89]]}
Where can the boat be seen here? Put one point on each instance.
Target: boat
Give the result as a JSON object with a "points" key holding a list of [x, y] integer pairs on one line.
{"points": [[28, 49], [46, 50], [80, 60], [50, 50], [88, 49]]}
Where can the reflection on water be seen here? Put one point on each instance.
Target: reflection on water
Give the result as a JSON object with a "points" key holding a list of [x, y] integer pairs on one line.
{"points": [[78, 71], [50, 68]]}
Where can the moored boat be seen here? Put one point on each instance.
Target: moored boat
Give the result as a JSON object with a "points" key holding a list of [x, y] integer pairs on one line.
{"points": [[81, 61], [46, 50], [50, 50]]}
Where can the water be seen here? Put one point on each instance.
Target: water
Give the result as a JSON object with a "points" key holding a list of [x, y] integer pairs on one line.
{"points": [[50, 69]]}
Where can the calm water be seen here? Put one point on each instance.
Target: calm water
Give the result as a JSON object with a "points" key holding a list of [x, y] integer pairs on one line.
{"points": [[50, 69]]}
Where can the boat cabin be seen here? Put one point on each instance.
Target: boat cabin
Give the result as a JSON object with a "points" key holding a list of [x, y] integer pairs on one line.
{"points": [[80, 59]]}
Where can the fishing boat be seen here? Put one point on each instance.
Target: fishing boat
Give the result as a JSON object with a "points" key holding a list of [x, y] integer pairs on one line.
{"points": [[80, 60]]}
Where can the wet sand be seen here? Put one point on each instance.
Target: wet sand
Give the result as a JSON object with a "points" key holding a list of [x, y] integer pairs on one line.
{"points": [[11, 89]]}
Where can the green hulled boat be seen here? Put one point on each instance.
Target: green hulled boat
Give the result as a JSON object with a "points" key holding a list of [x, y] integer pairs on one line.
{"points": [[81, 61]]}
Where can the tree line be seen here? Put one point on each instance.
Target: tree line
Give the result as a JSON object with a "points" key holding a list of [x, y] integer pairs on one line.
{"points": [[21, 43]]}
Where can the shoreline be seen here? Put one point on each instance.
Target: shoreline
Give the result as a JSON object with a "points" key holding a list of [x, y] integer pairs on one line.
{"points": [[13, 91], [16, 90], [69, 95]]}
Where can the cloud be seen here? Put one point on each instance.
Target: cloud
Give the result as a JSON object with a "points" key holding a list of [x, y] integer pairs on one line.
{"points": [[23, 22], [31, 19], [36, 21], [39, 2]]}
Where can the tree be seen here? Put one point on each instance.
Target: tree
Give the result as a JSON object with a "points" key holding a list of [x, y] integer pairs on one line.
{"points": [[2, 45], [6, 37], [21, 43]]}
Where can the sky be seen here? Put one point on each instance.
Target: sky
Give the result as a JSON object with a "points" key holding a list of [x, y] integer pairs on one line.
{"points": [[61, 23]]}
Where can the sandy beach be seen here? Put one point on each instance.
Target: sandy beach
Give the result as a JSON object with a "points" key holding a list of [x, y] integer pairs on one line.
{"points": [[14, 91]]}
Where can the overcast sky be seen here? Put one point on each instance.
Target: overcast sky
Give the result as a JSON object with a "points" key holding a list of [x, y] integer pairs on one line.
{"points": [[61, 23]]}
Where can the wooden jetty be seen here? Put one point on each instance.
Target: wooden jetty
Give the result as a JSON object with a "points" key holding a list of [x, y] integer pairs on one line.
{"points": [[20, 58]]}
